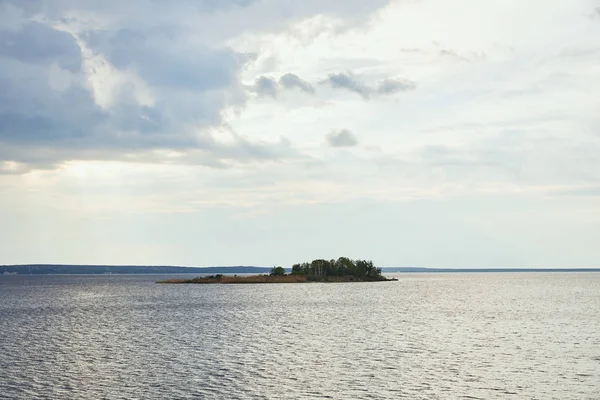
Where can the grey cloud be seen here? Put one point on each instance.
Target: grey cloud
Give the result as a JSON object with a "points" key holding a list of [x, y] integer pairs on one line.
{"points": [[135, 11], [265, 86], [349, 82], [17, 169], [291, 81], [157, 59], [205, 150], [32, 111], [245, 149], [452, 55], [38, 43], [347, 8], [342, 138], [44, 125], [211, 152], [211, 21], [186, 67], [28, 8], [391, 86], [218, 19]]}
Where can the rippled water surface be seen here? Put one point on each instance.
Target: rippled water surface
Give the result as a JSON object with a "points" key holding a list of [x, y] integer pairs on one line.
{"points": [[427, 336]]}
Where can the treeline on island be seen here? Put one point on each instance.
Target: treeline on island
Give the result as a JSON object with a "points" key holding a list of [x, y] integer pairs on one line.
{"points": [[342, 269]]}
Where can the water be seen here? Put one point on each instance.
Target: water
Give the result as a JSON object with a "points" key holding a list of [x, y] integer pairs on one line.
{"points": [[427, 336]]}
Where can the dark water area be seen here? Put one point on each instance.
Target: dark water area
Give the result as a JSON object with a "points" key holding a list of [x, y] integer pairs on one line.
{"points": [[426, 336]]}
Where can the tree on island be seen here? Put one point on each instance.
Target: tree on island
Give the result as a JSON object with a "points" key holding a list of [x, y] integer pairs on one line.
{"points": [[342, 267], [277, 271]]}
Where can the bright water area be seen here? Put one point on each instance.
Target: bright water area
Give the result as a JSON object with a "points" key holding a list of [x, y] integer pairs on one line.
{"points": [[427, 336]]}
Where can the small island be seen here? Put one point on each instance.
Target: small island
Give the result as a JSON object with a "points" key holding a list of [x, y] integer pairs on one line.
{"points": [[343, 269]]}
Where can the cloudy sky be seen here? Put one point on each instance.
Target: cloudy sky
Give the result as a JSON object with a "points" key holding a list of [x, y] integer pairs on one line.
{"points": [[441, 133]]}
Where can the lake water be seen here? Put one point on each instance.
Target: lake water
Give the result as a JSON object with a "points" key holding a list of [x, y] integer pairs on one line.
{"points": [[427, 336]]}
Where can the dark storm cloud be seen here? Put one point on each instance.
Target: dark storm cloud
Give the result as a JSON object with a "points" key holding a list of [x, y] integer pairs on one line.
{"points": [[342, 138]]}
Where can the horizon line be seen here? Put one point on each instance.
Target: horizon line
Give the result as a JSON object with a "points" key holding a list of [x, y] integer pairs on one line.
{"points": [[269, 266]]}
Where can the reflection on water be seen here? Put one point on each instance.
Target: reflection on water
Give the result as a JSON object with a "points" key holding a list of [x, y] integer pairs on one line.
{"points": [[426, 336]]}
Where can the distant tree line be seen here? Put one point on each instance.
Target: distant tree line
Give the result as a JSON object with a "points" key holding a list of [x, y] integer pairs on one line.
{"points": [[343, 266]]}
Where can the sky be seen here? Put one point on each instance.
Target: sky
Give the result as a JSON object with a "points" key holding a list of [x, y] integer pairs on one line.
{"points": [[436, 133]]}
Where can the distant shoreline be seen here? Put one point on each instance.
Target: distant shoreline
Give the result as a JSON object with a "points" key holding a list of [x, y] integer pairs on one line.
{"points": [[58, 269], [483, 270]]}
